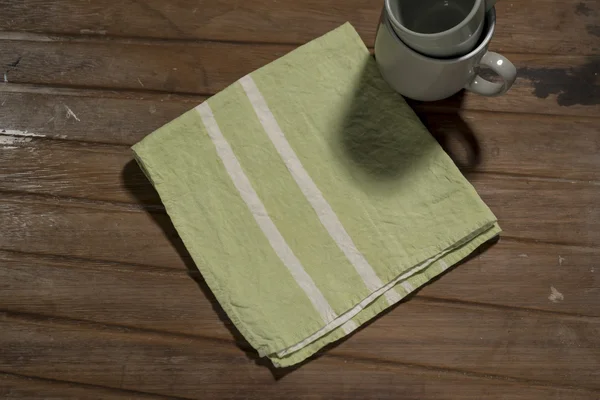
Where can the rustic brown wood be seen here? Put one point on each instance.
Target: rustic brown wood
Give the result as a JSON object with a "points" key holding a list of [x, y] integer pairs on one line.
{"points": [[142, 297], [97, 231], [549, 84], [22, 387], [540, 145], [528, 208], [106, 117], [544, 26], [104, 291], [200, 68], [189, 368], [96, 297]]}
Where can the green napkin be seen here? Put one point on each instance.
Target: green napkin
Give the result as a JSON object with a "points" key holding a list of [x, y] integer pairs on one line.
{"points": [[311, 197]]}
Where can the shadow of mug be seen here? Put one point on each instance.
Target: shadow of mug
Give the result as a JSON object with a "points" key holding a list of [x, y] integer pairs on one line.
{"points": [[384, 150]]}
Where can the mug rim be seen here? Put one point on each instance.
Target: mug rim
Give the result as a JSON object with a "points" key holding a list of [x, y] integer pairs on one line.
{"points": [[455, 28], [490, 18]]}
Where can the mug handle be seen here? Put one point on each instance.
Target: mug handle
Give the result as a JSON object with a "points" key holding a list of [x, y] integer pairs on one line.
{"points": [[500, 65], [489, 4]]}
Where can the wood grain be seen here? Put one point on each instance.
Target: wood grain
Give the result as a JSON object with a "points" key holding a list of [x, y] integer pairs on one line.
{"points": [[559, 212], [103, 116], [22, 388], [540, 145], [543, 26], [540, 209], [534, 145], [511, 273], [100, 299], [204, 67], [169, 300], [505, 139], [184, 367], [104, 232], [108, 172], [558, 84]]}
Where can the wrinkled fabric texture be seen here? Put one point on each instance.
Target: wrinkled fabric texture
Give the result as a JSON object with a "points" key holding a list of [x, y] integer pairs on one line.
{"points": [[311, 197]]}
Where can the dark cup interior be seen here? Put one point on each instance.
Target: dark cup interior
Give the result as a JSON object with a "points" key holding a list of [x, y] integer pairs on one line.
{"points": [[431, 16]]}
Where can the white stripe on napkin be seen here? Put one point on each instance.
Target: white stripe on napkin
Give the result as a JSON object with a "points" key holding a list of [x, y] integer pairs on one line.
{"points": [[312, 193], [259, 212], [407, 286], [349, 327]]}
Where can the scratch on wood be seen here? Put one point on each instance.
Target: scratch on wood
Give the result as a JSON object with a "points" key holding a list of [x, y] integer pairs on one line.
{"points": [[26, 36], [11, 140], [70, 113], [92, 31], [16, 63], [560, 260], [523, 255], [140, 82], [13, 132], [555, 295], [11, 66]]}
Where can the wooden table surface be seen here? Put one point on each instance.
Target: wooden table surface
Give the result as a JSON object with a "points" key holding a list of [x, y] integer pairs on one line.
{"points": [[99, 299]]}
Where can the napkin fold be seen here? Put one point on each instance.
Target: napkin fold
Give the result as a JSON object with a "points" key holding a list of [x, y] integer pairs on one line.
{"points": [[311, 197]]}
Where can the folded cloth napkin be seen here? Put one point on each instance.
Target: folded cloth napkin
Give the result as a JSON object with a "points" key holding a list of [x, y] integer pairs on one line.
{"points": [[311, 197]]}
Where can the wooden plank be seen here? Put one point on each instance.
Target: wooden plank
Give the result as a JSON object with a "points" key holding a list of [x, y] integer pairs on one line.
{"points": [[111, 293], [516, 274], [88, 230], [508, 143], [543, 146], [549, 210], [127, 117], [92, 171], [107, 172], [560, 84], [199, 68], [542, 26], [102, 116], [184, 367], [22, 388], [509, 274], [564, 27], [506, 343]]}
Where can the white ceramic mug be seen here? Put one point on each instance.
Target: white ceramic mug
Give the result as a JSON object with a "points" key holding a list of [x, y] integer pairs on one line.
{"points": [[428, 79], [439, 28]]}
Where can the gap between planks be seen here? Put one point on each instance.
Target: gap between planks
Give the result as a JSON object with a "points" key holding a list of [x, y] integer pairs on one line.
{"points": [[39, 319]]}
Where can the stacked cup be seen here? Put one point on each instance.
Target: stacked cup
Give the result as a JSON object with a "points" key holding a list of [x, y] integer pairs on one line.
{"points": [[431, 49]]}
